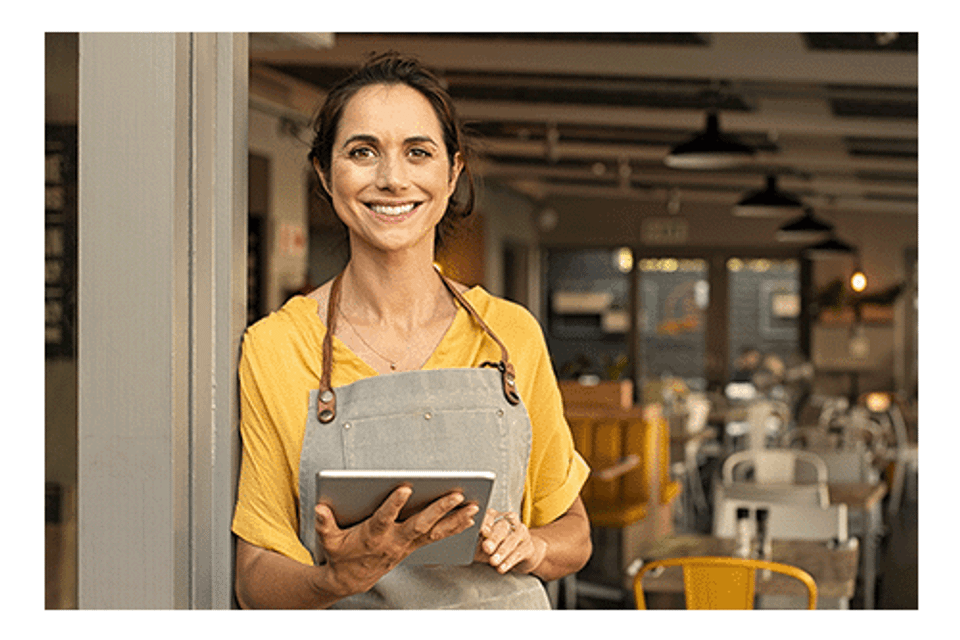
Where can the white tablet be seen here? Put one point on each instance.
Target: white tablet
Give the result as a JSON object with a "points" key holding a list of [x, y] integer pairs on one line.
{"points": [[353, 496]]}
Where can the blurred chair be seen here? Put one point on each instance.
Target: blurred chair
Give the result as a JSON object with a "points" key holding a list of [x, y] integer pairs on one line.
{"points": [[720, 582], [629, 495], [853, 463], [604, 394], [775, 475], [685, 447], [850, 465], [905, 458], [766, 420]]}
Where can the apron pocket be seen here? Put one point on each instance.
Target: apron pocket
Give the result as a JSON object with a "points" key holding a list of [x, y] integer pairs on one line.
{"points": [[445, 439]]}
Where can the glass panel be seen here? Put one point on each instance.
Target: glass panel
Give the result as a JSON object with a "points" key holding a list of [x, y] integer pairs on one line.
{"points": [[764, 308], [588, 311], [674, 295], [60, 321]]}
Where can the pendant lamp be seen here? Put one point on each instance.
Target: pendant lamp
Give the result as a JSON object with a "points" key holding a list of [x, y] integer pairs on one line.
{"points": [[767, 202], [709, 150], [806, 228], [830, 248]]}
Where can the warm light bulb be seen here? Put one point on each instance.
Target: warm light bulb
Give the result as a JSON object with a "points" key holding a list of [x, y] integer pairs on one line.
{"points": [[877, 402], [623, 259], [858, 281]]}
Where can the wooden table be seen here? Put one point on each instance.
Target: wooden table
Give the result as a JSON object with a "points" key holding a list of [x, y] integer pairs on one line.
{"points": [[857, 495], [834, 570]]}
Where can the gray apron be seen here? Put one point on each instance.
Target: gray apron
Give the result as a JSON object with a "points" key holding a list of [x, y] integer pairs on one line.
{"points": [[460, 419]]}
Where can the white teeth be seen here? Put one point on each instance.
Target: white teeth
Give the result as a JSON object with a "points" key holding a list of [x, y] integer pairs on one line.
{"points": [[392, 211]]}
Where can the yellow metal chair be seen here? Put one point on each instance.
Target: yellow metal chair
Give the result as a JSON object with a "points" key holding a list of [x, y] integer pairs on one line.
{"points": [[722, 582]]}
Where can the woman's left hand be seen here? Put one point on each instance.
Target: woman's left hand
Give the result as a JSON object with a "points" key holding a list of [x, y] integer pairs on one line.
{"points": [[506, 544]]}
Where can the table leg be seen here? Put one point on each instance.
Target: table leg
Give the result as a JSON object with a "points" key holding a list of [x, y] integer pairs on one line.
{"points": [[872, 536]]}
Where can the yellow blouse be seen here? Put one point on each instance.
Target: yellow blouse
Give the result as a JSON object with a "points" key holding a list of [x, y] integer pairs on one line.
{"points": [[280, 365]]}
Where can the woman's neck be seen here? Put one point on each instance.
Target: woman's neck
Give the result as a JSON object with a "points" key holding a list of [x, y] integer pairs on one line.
{"points": [[400, 290]]}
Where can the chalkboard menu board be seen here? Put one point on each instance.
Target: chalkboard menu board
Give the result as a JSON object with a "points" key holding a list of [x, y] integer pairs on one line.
{"points": [[60, 255]]}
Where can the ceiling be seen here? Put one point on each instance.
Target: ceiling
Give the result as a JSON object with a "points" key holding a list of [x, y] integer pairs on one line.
{"points": [[594, 114]]}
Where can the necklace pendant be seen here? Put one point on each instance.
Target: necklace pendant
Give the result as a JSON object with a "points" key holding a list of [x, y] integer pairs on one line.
{"points": [[393, 366]]}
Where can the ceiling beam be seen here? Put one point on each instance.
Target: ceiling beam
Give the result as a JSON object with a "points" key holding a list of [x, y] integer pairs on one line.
{"points": [[761, 57]]}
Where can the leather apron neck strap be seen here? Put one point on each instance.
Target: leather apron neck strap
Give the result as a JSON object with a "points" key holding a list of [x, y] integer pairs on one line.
{"points": [[327, 398]]}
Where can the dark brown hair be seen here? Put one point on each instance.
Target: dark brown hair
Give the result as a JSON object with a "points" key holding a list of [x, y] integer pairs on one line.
{"points": [[394, 68]]}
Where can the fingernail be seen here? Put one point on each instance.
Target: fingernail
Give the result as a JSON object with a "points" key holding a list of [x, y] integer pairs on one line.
{"points": [[496, 559]]}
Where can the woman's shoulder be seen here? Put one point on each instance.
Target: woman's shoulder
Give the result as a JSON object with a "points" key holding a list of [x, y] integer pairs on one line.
{"points": [[292, 324], [502, 314], [492, 307]]}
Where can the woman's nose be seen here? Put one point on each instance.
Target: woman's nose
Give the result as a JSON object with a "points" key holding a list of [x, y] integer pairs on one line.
{"points": [[391, 173]]}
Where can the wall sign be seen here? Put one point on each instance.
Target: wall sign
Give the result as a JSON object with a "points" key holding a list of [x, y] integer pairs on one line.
{"points": [[672, 230]]}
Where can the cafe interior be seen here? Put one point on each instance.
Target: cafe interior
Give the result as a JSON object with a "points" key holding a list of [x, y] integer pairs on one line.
{"points": [[718, 233]]}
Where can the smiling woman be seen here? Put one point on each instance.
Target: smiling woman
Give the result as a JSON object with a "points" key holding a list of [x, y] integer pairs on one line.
{"points": [[398, 71], [389, 178], [423, 374]]}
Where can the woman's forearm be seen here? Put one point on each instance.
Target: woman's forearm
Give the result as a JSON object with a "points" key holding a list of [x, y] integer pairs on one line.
{"points": [[567, 541], [269, 580]]}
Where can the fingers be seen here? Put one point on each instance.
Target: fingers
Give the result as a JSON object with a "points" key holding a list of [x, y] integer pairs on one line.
{"points": [[506, 543], [442, 518], [497, 528], [324, 522], [388, 512]]}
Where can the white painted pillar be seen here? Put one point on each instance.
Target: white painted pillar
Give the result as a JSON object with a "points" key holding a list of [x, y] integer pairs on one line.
{"points": [[162, 295]]}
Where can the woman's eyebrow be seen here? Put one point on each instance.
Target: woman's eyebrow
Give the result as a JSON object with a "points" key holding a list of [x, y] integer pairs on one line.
{"points": [[371, 139], [359, 137], [420, 139]]}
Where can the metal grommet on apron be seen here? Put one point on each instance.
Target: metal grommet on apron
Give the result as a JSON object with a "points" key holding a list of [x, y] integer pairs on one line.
{"points": [[464, 419]]}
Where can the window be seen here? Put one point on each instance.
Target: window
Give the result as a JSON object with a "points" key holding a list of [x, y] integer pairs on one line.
{"points": [[588, 311], [674, 295], [764, 307], [647, 315]]}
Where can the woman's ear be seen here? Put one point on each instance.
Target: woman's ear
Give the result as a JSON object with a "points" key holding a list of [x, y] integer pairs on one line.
{"points": [[455, 172], [323, 180]]}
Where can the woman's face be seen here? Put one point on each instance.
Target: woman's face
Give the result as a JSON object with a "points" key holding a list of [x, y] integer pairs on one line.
{"points": [[390, 178]]}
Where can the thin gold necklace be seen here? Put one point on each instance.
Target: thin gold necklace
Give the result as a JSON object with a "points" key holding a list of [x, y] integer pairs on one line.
{"points": [[390, 361]]}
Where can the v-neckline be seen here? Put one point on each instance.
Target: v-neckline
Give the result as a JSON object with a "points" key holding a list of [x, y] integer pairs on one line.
{"points": [[373, 371]]}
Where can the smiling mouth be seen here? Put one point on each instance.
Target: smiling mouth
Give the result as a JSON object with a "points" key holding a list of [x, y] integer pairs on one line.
{"points": [[392, 210]]}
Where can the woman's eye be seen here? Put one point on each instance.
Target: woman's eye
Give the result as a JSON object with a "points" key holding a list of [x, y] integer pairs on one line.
{"points": [[417, 152], [361, 153]]}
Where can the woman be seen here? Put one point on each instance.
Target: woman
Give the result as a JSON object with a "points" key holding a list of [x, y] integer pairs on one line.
{"points": [[387, 366]]}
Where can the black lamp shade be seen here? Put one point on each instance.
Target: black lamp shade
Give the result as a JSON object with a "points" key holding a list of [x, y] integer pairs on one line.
{"points": [[709, 150], [806, 228], [767, 202]]}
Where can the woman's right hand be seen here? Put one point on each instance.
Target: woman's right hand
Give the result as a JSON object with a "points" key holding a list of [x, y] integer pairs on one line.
{"points": [[359, 556]]}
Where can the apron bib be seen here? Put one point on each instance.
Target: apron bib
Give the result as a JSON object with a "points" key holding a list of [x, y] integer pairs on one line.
{"points": [[446, 419]]}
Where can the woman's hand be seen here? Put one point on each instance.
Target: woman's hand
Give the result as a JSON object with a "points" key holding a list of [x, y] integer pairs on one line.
{"points": [[507, 544], [357, 557], [550, 552]]}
